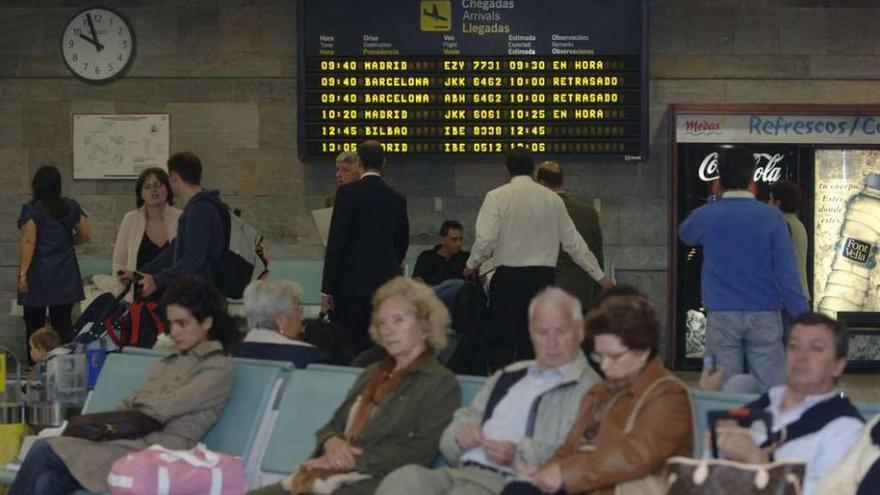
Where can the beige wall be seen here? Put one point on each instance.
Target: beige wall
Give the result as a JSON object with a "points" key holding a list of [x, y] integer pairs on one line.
{"points": [[225, 71]]}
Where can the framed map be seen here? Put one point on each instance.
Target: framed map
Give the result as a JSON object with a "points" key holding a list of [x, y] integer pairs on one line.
{"points": [[119, 146]]}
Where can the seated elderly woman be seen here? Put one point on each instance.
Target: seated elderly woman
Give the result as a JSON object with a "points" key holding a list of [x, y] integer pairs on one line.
{"points": [[181, 398], [396, 410], [274, 317], [629, 424]]}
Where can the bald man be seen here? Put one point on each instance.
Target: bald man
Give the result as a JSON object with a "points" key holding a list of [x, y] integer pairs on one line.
{"points": [[569, 276]]}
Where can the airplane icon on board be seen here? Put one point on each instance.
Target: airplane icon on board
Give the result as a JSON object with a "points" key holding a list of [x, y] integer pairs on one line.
{"points": [[434, 13]]}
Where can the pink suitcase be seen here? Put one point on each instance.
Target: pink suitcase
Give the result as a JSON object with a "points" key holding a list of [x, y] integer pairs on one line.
{"points": [[160, 471]]}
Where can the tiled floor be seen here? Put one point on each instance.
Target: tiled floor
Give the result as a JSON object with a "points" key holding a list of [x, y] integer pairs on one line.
{"points": [[860, 387]]}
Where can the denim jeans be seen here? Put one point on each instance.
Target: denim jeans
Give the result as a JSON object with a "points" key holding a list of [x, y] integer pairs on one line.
{"points": [[43, 472], [447, 291], [755, 337]]}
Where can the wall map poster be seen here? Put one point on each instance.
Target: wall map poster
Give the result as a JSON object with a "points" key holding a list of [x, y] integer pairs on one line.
{"points": [[119, 146], [441, 77], [847, 230]]}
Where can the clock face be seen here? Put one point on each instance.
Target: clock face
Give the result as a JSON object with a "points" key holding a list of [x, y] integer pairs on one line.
{"points": [[98, 44]]}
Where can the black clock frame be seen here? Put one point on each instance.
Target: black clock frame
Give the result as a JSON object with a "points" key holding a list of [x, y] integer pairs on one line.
{"points": [[128, 64]]}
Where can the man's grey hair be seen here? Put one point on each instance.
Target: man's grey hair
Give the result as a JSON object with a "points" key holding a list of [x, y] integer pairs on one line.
{"points": [[349, 157], [266, 299], [558, 298]]}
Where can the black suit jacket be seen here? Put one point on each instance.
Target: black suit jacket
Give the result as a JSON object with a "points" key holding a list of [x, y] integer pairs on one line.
{"points": [[369, 236]]}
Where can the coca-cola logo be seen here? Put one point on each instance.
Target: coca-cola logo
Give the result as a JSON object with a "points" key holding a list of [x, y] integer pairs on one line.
{"points": [[767, 168], [702, 127]]}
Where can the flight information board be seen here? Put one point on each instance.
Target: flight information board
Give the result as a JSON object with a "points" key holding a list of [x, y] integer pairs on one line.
{"points": [[438, 77]]}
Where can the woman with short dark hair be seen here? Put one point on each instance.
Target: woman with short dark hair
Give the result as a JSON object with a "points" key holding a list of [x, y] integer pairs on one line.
{"points": [[787, 196], [49, 276]]}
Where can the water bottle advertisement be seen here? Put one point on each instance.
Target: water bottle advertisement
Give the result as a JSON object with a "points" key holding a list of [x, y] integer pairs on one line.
{"points": [[847, 231]]}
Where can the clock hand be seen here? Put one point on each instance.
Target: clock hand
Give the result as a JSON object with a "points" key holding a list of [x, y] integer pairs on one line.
{"points": [[90, 40], [94, 39]]}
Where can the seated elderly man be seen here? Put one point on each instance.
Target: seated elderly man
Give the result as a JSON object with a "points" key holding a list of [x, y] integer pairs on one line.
{"points": [[274, 317], [821, 424], [521, 415]]}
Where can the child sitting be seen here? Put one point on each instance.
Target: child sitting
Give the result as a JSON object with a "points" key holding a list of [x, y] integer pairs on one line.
{"points": [[44, 343]]}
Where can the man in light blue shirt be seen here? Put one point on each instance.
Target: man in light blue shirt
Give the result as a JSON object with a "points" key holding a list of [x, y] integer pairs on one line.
{"points": [[521, 415]]}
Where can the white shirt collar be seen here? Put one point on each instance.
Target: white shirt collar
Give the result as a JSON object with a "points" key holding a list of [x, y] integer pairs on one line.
{"points": [[738, 194], [777, 395], [521, 178], [264, 336], [370, 172], [557, 372]]}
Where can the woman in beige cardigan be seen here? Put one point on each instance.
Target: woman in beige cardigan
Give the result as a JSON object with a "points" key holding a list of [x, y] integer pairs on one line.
{"points": [[184, 391], [144, 232]]}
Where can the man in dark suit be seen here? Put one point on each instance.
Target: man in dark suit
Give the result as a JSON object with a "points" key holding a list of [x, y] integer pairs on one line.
{"points": [[570, 277], [369, 236]]}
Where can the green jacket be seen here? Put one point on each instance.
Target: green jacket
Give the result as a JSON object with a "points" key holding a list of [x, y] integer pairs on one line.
{"points": [[569, 276], [406, 424]]}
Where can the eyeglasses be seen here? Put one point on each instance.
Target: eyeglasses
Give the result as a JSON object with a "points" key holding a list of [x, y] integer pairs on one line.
{"points": [[154, 186], [613, 358]]}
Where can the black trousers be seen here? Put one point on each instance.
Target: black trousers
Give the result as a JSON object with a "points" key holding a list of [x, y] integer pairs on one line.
{"points": [[35, 318], [353, 314], [510, 293], [524, 488]]}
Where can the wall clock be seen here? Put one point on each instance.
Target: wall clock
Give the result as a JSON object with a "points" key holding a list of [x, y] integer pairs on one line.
{"points": [[98, 44]]}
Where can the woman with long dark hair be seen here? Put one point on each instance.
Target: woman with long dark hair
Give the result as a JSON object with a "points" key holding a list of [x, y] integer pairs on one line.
{"points": [[48, 275]]}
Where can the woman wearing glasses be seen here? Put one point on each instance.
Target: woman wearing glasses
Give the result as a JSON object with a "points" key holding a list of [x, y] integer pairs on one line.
{"points": [[145, 231], [629, 424]]}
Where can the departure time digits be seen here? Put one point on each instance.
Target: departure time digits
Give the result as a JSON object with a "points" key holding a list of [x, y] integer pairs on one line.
{"points": [[473, 104]]}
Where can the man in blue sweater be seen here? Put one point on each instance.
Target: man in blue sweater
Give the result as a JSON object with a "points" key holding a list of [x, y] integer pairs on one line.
{"points": [[200, 238], [749, 274]]}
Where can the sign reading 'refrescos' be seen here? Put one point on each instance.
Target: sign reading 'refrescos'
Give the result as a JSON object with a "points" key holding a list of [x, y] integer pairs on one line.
{"points": [[768, 128]]}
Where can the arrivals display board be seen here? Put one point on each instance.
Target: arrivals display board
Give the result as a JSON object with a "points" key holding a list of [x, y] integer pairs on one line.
{"points": [[437, 77]]}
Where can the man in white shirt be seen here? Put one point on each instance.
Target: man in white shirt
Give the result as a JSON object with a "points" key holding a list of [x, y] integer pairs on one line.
{"points": [[522, 414], [820, 424], [523, 223]]}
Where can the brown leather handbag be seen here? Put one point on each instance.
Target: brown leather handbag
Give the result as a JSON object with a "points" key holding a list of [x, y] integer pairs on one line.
{"points": [[112, 425], [688, 476]]}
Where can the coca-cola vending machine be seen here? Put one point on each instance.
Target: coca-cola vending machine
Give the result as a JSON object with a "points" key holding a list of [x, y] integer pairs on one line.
{"points": [[838, 170]]}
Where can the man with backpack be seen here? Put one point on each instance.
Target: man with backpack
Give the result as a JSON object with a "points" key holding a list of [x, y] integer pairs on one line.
{"points": [[200, 240]]}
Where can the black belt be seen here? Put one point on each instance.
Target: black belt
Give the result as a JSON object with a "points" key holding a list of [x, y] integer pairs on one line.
{"points": [[497, 471]]}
